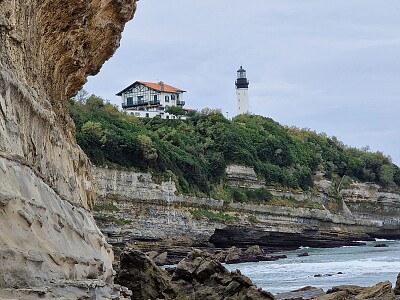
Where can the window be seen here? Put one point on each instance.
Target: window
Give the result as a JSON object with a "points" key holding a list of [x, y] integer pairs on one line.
{"points": [[155, 97], [129, 101], [147, 115], [166, 98], [140, 99], [172, 97]]}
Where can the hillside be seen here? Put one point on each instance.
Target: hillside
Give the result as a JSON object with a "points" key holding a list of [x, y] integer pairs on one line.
{"points": [[195, 153]]}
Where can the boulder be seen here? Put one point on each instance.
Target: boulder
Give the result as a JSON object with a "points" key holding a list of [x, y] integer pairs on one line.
{"points": [[198, 276], [350, 289], [341, 295], [382, 290], [220, 256], [380, 245], [397, 287], [254, 251], [161, 259], [233, 253], [308, 292], [143, 277]]}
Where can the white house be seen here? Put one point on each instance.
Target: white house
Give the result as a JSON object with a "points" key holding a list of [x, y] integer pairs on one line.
{"points": [[149, 99]]}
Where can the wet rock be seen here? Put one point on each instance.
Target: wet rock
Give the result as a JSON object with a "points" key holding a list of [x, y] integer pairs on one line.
{"points": [[397, 287], [350, 289], [380, 245], [341, 295], [233, 254], [254, 251], [382, 290], [303, 254], [308, 292], [198, 276], [143, 277]]}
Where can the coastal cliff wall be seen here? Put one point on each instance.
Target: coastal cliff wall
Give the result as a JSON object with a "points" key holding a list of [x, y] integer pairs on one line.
{"points": [[133, 207], [47, 49]]}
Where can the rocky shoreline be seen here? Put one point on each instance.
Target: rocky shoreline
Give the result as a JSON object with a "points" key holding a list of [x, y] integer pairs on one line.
{"points": [[200, 276]]}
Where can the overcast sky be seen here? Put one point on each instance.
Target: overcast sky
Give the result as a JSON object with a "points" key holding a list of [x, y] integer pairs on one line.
{"points": [[331, 66]]}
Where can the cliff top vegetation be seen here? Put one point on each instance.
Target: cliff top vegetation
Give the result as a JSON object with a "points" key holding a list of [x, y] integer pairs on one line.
{"points": [[195, 152]]}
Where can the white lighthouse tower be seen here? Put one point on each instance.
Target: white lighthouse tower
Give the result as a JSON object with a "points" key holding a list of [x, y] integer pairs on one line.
{"points": [[242, 89]]}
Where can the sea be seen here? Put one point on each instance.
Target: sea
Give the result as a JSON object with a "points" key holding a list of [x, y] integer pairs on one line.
{"points": [[325, 268]]}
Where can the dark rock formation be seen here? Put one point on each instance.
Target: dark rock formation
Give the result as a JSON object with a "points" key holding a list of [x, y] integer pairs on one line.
{"points": [[243, 237], [380, 245], [381, 291], [397, 287], [235, 255], [143, 277], [196, 277]]}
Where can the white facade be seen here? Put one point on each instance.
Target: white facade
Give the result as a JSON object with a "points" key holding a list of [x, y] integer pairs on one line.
{"points": [[149, 100], [242, 101], [152, 114]]}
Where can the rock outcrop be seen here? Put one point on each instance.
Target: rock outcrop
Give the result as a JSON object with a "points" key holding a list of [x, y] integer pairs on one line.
{"points": [[397, 287], [382, 290], [198, 276], [243, 177], [47, 49]]}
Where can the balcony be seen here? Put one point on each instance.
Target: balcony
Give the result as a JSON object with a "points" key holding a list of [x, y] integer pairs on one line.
{"points": [[140, 103], [180, 102], [155, 102]]}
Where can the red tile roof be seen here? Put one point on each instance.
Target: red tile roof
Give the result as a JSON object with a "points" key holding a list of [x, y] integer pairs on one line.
{"points": [[161, 87], [157, 86]]}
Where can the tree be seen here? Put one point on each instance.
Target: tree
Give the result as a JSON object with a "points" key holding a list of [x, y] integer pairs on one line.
{"points": [[81, 96], [176, 110], [386, 174]]}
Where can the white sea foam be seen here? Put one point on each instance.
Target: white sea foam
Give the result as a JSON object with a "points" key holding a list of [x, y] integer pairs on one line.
{"points": [[364, 265], [383, 240]]}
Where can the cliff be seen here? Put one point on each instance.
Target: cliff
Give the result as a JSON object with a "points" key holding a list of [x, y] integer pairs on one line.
{"points": [[132, 207], [47, 49]]}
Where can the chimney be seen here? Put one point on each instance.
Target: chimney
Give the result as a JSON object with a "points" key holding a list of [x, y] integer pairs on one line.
{"points": [[161, 85]]}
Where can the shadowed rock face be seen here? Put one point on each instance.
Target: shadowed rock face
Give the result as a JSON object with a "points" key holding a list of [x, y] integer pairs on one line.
{"points": [[47, 49], [197, 276]]}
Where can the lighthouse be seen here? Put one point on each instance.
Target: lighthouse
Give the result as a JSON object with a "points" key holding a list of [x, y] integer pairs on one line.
{"points": [[242, 89]]}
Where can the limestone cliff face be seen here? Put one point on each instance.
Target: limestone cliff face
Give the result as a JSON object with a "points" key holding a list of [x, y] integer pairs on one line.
{"points": [[132, 206], [47, 49]]}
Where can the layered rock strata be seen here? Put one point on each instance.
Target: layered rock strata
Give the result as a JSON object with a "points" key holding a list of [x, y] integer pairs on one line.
{"points": [[47, 49], [133, 207]]}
